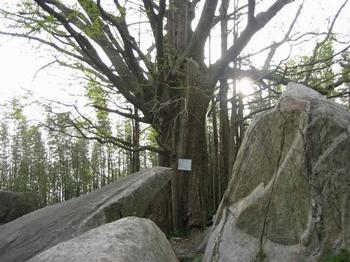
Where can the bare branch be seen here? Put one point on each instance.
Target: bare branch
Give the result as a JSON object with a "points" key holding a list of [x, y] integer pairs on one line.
{"points": [[261, 20], [319, 45], [116, 111], [285, 38], [201, 33]]}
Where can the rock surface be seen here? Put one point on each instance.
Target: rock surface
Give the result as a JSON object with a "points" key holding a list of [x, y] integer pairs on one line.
{"points": [[134, 195], [14, 205], [129, 239], [289, 195]]}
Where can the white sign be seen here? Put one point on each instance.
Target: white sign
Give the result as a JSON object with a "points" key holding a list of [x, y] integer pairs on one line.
{"points": [[184, 164]]}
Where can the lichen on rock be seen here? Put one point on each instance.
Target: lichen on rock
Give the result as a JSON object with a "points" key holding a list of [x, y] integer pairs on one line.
{"points": [[289, 195]]}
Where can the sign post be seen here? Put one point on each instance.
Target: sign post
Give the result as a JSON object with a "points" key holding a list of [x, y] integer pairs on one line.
{"points": [[184, 164]]}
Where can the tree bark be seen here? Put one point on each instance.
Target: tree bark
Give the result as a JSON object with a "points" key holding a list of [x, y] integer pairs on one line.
{"points": [[215, 161], [183, 122], [185, 138], [224, 118]]}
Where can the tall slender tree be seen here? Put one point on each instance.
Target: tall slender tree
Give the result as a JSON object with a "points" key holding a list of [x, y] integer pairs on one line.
{"points": [[60, 162], [39, 173], [4, 155]]}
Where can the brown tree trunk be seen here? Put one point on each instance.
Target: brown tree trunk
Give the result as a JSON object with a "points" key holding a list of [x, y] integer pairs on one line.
{"points": [[183, 122], [189, 185], [233, 128], [215, 160], [185, 138], [224, 130]]}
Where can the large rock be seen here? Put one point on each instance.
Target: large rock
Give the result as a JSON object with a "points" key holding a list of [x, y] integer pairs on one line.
{"points": [[15, 204], [289, 196], [129, 239], [135, 195]]}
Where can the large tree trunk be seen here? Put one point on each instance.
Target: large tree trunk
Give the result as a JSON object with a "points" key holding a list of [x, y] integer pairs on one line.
{"points": [[189, 198], [182, 119], [183, 133]]}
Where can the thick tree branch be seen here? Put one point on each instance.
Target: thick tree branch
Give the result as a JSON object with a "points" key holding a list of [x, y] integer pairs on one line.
{"points": [[89, 51], [201, 33], [129, 42], [251, 11], [152, 16]]}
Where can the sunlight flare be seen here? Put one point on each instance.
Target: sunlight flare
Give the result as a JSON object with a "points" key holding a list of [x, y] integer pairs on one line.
{"points": [[245, 86]]}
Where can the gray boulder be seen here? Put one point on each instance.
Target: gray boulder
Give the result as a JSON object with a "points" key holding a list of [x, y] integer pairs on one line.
{"points": [[129, 239], [134, 195], [289, 195], [15, 204]]}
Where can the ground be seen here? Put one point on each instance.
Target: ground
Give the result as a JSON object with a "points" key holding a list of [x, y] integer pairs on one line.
{"points": [[189, 248]]}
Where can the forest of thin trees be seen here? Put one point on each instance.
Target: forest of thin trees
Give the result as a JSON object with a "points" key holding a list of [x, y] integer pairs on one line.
{"points": [[57, 164]]}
